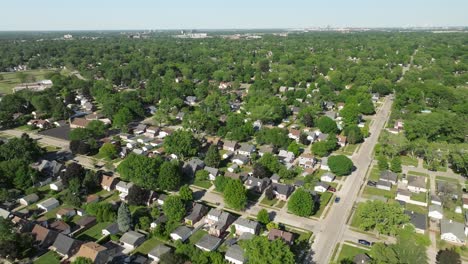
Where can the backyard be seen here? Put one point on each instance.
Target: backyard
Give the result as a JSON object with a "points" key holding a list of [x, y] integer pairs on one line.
{"points": [[48, 258], [148, 245], [94, 233]]}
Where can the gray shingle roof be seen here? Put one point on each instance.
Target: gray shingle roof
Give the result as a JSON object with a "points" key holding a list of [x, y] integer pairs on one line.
{"points": [[65, 245], [235, 252], [159, 250], [131, 237], [283, 189], [388, 176], [456, 228], [208, 242], [247, 223], [418, 220]]}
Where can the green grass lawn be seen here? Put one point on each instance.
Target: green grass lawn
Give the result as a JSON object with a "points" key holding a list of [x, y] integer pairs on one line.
{"points": [[48, 258], [280, 204], [267, 202], [442, 178], [417, 173], [324, 199], [148, 245], [420, 197], [449, 213], [370, 191], [203, 184], [94, 233], [374, 174], [416, 208], [348, 149], [197, 236], [348, 251], [10, 79], [408, 161], [439, 168]]}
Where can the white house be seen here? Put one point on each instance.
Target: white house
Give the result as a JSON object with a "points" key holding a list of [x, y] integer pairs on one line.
{"points": [[306, 160], [436, 212], [246, 226], [417, 184], [328, 177], [324, 164], [286, 156], [240, 160], [48, 204], [132, 239], [452, 231], [156, 253], [212, 172], [123, 188], [235, 255], [181, 233], [321, 187]]}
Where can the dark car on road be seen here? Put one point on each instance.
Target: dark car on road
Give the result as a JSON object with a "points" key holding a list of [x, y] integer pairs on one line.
{"points": [[337, 199], [364, 242]]}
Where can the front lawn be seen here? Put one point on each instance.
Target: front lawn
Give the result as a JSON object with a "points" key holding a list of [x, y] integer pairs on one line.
{"points": [[206, 184], [267, 202], [48, 258], [348, 251], [370, 191], [409, 161], [374, 174], [324, 199], [94, 233], [419, 197], [148, 245]]}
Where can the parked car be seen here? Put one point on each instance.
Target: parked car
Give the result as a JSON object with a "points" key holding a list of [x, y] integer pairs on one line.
{"points": [[337, 199], [332, 189], [364, 242], [371, 183]]}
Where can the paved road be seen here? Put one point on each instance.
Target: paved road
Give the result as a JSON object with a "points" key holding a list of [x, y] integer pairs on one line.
{"points": [[333, 226]]}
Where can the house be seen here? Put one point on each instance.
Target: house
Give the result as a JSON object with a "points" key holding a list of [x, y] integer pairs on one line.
{"points": [[51, 168], [86, 222], [44, 237], [417, 184], [436, 212], [322, 137], [388, 176], [398, 124], [287, 237], [230, 145], [97, 253], [109, 182], [235, 255], [452, 231], [5, 214], [275, 178], [123, 188], [191, 100], [419, 221], [384, 185], [218, 221], [65, 212], [282, 191], [246, 149], [294, 134], [156, 253], [257, 125], [165, 132], [212, 172], [132, 239], [161, 199], [403, 195], [436, 200], [79, 122], [328, 177], [240, 160], [331, 114], [152, 131], [321, 187], [60, 227], [29, 199], [375, 97], [257, 184], [198, 211], [111, 229], [324, 164], [92, 198], [286, 156], [66, 246], [342, 140], [306, 160], [246, 226], [299, 183], [162, 219], [328, 105], [139, 129], [192, 166], [48, 204], [56, 186], [208, 243], [181, 233], [362, 259], [265, 149]]}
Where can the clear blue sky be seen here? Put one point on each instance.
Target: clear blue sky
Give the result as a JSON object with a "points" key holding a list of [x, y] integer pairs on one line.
{"points": [[188, 14]]}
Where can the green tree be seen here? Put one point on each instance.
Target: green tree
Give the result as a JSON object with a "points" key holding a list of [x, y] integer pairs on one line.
{"points": [[263, 216], [294, 148], [212, 158], [235, 195], [169, 176], [14, 245], [395, 165], [350, 114], [124, 218], [367, 107], [141, 170], [96, 128], [220, 183], [174, 208], [300, 203], [353, 134], [448, 256], [186, 193], [382, 162], [108, 150], [260, 250], [327, 125], [181, 143], [144, 222], [321, 148], [340, 165], [386, 218], [122, 118]]}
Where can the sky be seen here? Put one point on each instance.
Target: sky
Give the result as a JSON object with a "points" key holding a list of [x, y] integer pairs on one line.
{"points": [[228, 14]]}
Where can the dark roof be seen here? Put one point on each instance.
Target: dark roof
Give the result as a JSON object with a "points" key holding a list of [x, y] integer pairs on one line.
{"points": [[198, 211], [65, 245], [283, 189], [284, 235], [418, 220], [388, 176], [86, 220]]}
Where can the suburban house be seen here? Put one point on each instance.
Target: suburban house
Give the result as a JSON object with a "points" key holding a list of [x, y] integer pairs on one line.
{"points": [[246, 149], [97, 253], [44, 237], [436, 212], [287, 237], [111, 229], [162, 219], [230, 145], [321, 187], [403, 195], [29, 199], [161, 199], [65, 212], [275, 178], [235, 255], [56, 186], [240, 160], [192, 166], [139, 129], [419, 221], [218, 221], [208, 243], [257, 184], [198, 211], [132, 239], [282, 191], [212, 172], [60, 227], [388, 176], [417, 184], [306, 160], [109, 182], [324, 164], [452, 231], [181, 233], [328, 177], [123, 188], [151, 131], [435, 199], [79, 122], [246, 226], [342, 140], [156, 253], [191, 100], [86, 222], [66, 246], [265, 149], [294, 134], [48, 204], [286, 156], [384, 185]]}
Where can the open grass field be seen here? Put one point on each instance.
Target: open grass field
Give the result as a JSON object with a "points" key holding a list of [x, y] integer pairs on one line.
{"points": [[10, 79]]}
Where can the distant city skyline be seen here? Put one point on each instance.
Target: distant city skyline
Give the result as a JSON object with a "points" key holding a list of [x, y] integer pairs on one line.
{"points": [[241, 14]]}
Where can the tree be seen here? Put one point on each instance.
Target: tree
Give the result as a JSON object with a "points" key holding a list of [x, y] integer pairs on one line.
{"points": [[382, 162], [122, 118], [300, 203], [448, 256], [174, 208], [73, 171], [124, 218], [263, 216], [96, 128], [272, 225], [181, 143], [386, 218], [144, 222], [294, 148], [212, 158], [367, 107], [186, 193], [340, 165], [395, 165], [353, 134], [320, 148], [169, 176], [137, 196], [350, 114], [235, 195], [260, 250], [108, 150], [82, 260], [220, 183], [307, 120], [327, 125], [14, 245], [260, 171], [140, 170]]}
